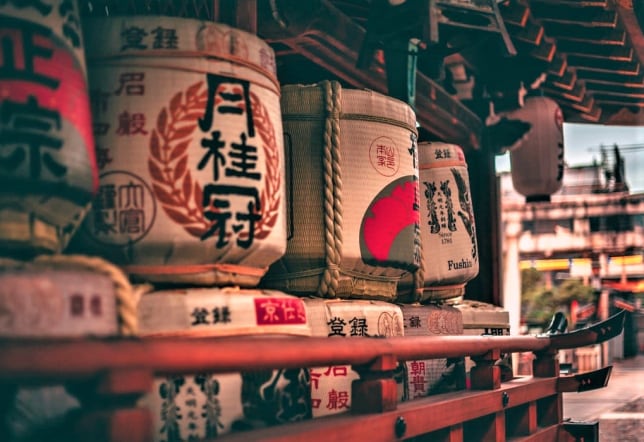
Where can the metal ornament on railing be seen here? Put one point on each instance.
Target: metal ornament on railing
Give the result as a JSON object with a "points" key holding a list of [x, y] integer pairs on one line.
{"points": [[47, 165], [537, 164]]}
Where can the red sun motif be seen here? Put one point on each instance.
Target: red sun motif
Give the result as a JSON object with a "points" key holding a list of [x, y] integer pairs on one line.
{"points": [[388, 216]]}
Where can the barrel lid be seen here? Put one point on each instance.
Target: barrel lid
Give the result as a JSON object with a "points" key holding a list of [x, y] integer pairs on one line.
{"points": [[355, 104], [438, 154], [482, 314], [158, 36], [221, 312]]}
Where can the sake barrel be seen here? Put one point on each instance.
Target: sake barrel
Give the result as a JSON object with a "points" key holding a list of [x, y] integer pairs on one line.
{"points": [[205, 405], [432, 376], [343, 318], [47, 164], [190, 151], [448, 231], [55, 297], [352, 190]]}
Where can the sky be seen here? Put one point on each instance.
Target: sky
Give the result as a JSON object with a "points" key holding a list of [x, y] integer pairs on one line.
{"points": [[581, 145]]}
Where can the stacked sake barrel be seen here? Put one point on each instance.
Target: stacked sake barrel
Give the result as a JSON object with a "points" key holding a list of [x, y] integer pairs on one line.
{"points": [[191, 199], [49, 175], [448, 229]]}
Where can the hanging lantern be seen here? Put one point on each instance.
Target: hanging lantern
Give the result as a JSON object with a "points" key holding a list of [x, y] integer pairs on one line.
{"points": [[537, 164]]}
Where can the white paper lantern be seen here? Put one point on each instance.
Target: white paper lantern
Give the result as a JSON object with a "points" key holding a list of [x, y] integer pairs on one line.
{"points": [[537, 164]]}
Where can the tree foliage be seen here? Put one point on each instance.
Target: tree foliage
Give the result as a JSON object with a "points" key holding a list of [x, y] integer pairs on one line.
{"points": [[539, 303]]}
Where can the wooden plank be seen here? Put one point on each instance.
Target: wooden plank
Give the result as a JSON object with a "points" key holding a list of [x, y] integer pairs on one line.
{"points": [[421, 416], [585, 34], [521, 420], [548, 434]]}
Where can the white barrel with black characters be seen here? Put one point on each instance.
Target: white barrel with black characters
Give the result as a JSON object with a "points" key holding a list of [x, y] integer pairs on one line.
{"points": [[450, 255], [205, 405], [345, 318], [48, 169], [190, 151], [352, 191], [55, 297]]}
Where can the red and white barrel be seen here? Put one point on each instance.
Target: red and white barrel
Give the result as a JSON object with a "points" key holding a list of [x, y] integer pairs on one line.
{"points": [[205, 405], [432, 376], [448, 231], [47, 166], [344, 318], [190, 151], [352, 188]]}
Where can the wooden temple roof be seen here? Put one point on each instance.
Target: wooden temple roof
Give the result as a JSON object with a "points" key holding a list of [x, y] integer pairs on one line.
{"points": [[585, 54]]}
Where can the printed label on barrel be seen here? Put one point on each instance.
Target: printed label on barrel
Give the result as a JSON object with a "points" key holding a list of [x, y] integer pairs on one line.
{"points": [[219, 199], [448, 220], [390, 229], [46, 143]]}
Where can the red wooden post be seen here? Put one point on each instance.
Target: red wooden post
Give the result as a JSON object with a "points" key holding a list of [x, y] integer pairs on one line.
{"points": [[109, 412], [545, 364], [376, 390], [486, 375]]}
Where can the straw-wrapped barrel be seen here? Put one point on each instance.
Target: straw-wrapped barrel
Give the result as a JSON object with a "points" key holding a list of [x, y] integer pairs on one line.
{"points": [[352, 191]]}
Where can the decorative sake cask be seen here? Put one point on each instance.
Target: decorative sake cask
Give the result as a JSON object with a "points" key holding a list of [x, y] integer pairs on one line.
{"points": [[190, 151], [432, 376], [448, 233], [352, 190], [56, 297], [342, 318], [47, 165], [205, 405]]}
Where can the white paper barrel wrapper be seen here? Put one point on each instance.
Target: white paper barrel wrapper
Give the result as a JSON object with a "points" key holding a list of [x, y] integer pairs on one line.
{"points": [[448, 231], [339, 318], [50, 298], [48, 169], [190, 151], [352, 191], [205, 405], [432, 376]]}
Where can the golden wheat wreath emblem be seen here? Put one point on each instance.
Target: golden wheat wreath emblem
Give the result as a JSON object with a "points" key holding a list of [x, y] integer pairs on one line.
{"points": [[179, 194]]}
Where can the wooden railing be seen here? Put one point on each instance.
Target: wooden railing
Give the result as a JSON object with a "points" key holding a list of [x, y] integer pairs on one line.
{"points": [[108, 376]]}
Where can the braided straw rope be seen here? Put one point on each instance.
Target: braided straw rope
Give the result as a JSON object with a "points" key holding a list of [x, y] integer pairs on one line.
{"points": [[419, 275], [332, 190], [127, 296]]}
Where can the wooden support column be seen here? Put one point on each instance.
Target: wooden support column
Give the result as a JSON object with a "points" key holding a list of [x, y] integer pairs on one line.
{"points": [[7, 397], [376, 390], [545, 364], [522, 420], [486, 287], [490, 428], [240, 14], [109, 412], [486, 375]]}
